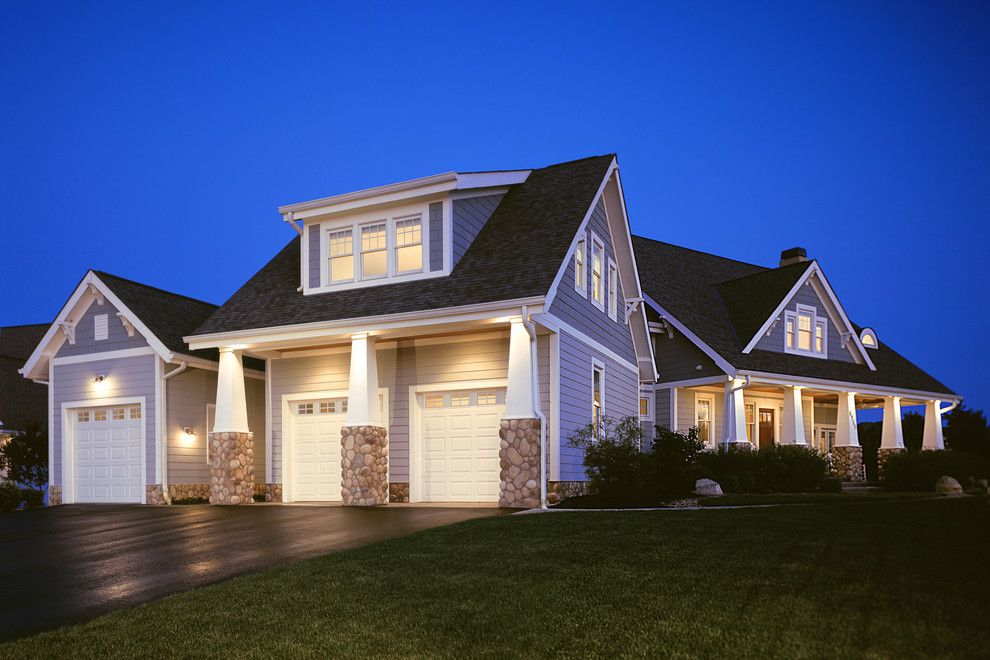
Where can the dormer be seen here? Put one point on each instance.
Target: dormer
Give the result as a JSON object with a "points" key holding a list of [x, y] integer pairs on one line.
{"points": [[405, 231]]}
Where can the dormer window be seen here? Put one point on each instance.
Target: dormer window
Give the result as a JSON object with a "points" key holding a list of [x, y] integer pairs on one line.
{"points": [[805, 333], [341, 244], [409, 245], [869, 338], [374, 251]]}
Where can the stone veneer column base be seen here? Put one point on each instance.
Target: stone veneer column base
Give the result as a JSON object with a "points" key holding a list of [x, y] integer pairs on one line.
{"points": [[273, 492], [847, 463], [154, 494], [883, 455], [231, 468], [519, 463], [364, 465], [54, 495], [562, 490], [398, 491], [189, 491]]}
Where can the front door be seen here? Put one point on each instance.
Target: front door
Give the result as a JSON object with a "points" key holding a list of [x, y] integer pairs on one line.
{"points": [[766, 427]]}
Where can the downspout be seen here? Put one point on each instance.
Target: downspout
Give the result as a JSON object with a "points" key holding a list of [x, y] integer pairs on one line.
{"points": [[291, 219], [725, 406], [535, 375], [164, 413], [942, 411]]}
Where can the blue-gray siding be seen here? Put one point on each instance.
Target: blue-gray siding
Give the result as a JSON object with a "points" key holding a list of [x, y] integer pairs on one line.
{"points": [[679, 359], [436, 236], [468, 217], [806, 296], [621, 397], [581, 313], [661, 401], [125, 377], [85, 342], [314, 255]]}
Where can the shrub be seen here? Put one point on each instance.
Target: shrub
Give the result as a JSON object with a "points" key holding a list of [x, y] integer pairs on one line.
{"points": [[612, 458], [918, 471], [25, 457], [10, 496], [32, 498], [672, 466], [775, 469], [831, 485]]}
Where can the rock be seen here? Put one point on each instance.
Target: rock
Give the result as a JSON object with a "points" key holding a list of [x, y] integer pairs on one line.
{"points": [[946, 485], [707, 487]]}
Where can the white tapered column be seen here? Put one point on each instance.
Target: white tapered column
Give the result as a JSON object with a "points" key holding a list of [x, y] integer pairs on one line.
{"points": [[231, 410], [892, 434], [519, 430], [847, 455], [231, 450], [519, 393], [734, 414], [933, 438], [362, 388], [364, 437], [792, 424]]}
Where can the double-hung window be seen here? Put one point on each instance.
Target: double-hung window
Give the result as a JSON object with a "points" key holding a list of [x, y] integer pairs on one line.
{"points": [[750, 422], [580, 276], [341, 245], [805, 333], [597, 272], [597, 397], [704, 411], [374, 250], [409, 245], [613, 291]]}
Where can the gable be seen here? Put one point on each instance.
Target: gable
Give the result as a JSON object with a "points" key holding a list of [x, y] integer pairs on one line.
{"points": [[808, 297], [117, 336]]}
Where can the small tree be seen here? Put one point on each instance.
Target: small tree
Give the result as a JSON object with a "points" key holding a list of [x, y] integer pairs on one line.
{"points": [[24, 458], [966, 430], [612, 457]]}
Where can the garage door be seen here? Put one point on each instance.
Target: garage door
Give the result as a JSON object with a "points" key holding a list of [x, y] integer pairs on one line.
{"points": [[316, 455], [459, 445], [109, 456]]}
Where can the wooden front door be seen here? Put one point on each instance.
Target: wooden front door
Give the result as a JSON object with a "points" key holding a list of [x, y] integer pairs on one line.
{"points": [[766, 427]]}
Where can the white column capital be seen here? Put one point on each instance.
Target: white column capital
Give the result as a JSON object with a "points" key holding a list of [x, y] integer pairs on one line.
{"points": [[892, 433], [933, 438]]}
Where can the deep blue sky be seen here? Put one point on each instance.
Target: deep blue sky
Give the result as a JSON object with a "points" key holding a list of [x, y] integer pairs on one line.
{"points": [[156, 140]]}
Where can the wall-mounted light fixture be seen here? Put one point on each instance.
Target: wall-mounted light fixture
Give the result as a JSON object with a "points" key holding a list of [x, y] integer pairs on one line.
{"points": [[188, 435], [99, 379]]}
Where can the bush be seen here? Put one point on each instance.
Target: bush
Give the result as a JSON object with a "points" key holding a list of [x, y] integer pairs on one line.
{"points": [[673, 463], [918, 471], [33, 499], [25, 457], [10, 496], [831, 485], [775, 469], [612, 458]]}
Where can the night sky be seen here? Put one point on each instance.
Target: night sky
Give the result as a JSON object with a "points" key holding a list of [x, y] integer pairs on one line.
{"points": [[155, 141]]}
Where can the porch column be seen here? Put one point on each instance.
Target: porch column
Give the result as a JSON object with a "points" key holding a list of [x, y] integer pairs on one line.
{"points": [[792, 423], [933, 439], [231, 441], [734, 415], [847, 455], [892, 434], [519, 430], [363, 438]]}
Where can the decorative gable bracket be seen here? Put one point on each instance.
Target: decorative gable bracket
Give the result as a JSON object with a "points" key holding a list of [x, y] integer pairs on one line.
{"points": [[772, 326], [127, 324], [69, 329], [631, 305], [96, 293]]}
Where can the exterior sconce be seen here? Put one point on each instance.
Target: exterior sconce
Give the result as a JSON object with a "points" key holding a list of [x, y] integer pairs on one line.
{"points": [[99, 379], [188, 435]]}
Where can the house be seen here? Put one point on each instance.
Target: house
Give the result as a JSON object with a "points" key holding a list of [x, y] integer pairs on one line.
{"points": [[433, 340], [753, 356], [128, 403], [23, 404]]}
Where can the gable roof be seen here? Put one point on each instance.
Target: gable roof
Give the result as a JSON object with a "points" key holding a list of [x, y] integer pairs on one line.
{"points": [[21, 401], [516, 255], [708, 295]]}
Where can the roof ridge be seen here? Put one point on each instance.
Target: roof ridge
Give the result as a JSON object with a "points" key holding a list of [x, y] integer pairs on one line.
{"points": [[156, 288], [707, 254], [778, 269]]}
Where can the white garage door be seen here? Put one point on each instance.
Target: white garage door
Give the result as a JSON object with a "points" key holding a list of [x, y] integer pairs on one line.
{"points": [[316, 454], [109, 456], [459, 445]]}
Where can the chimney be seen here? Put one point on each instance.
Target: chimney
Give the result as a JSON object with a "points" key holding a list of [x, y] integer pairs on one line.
{"points": [[795, 255]]}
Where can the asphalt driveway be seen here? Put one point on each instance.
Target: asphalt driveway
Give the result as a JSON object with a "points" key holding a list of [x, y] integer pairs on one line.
{"points": [[71, 563]]}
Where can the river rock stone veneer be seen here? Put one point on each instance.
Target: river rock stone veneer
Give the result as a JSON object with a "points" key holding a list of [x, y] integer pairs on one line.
{"points": [[231, 468], [519, 463], [189, 491], [883, 455], [398, 491], [847, 463], [273, 492], [364, 465], [54, 495], [154, 494], [558, 491]]}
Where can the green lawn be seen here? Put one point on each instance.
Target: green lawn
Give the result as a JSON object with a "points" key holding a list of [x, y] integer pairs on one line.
{"points": [[884, 579]]}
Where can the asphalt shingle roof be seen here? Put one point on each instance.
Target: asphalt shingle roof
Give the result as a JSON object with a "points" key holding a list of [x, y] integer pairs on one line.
{"points": [[724, 302], [516, 254], [21, 400]]}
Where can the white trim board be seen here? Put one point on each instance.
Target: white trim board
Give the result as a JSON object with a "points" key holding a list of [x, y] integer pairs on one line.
{"points": [[719, 361], [108, 355], [553, 323], [846, 386]]}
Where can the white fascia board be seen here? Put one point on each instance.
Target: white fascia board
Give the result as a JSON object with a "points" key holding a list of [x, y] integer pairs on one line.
{"points": [[320, 329], [834, 299], [779, 309], [85, 294], [720, 361], [839, 386]]}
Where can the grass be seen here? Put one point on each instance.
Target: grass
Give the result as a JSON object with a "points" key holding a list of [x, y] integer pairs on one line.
{"points": [[808, 498], [904, 578]]}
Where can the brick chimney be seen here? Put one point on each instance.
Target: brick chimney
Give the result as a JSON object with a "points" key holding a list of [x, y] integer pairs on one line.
{"points": [[794, 255]]}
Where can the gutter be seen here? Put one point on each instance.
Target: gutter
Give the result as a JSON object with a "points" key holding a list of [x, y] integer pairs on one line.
{"points": [[164, 412], [535, 375]]}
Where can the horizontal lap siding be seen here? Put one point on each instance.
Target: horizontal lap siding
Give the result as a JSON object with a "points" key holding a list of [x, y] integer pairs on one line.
{"points": [[662, 402], [398, 369], [187, 396], [85, 341], [468, 217], [806, 296], [125, 377], [621, 397], [580, 312]]}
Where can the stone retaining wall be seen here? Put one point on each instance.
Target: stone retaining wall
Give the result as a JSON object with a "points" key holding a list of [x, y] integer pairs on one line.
{"points": [[562, 490], [398, 491], [847, 463], [54, 495], [231, 467], [883, 455], [364, 465], [519, 463], [154, 495]]}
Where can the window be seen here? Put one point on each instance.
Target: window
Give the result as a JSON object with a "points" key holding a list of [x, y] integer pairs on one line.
{"points": [[304, 408], [374, 251], [580, 277], [750, 422], [135, 412], [597, 396], [434, 401], [341, 245], [613, 291], [99, 415], [82, 416], [486, 399], [459, 400], [327, 407], [100, 329], [408, 245], [597, 275], [869, 338], [644, 407], [805, 333], [704, 408], [117, 414]]}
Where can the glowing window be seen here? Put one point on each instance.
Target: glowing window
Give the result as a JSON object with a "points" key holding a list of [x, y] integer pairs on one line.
{"points": [[805, 332], [703, 418], [434, 401], [597, 397], [644, 407], [117, 414], [374, 254], [597, 278], [99, 415], [135, 412], [580, 278], [613, 291], [341, 244], [82, 416], [408, 245], [304, 409], [458, 400], [750, 422], [486, 398], [327, 407]]}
